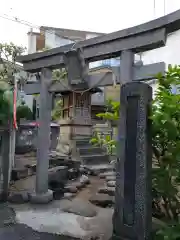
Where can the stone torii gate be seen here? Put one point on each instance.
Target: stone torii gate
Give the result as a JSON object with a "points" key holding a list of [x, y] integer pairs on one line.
{"points": [[132, 214]]}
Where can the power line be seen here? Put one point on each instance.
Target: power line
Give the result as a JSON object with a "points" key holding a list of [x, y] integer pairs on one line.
{"points": [[29, 24]]}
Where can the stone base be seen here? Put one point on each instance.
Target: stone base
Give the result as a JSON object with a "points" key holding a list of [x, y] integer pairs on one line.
{"points": [[42, 198], [115, 237]]}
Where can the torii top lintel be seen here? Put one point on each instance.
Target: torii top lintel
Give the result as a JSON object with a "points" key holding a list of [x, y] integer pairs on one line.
{"points": [[140, 38]]}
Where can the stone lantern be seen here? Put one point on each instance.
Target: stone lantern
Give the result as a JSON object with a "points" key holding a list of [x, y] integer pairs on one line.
{"points": [[76, 123]]}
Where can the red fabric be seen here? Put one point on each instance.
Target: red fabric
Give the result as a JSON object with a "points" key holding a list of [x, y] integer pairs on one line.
{"points": [[14, 106]]}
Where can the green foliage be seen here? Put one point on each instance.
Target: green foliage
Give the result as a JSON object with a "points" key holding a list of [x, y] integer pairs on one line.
{"points": [[166, 142], [105, 141], [111, 114], [112, 111], [8, 67], [23, 112], [170, 232], [59, 74], [6, 106]]}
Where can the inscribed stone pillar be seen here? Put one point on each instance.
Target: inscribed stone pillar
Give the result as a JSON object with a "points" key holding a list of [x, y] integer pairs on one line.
{"points": [[132, 218], [42, 194]]}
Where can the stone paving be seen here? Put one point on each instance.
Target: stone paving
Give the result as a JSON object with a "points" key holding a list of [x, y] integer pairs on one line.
{"points": [[23, 232], [66, 219], [11, 230]]}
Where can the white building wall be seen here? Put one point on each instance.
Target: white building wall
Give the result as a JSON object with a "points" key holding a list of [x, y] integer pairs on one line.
{"points": [[170, 54]]}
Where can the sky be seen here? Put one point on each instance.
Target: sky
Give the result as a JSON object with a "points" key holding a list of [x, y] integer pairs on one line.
{"points": [[95, 15]]}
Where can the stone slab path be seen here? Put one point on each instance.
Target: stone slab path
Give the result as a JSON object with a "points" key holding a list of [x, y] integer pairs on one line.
{"points": [[23, 232], [11, 230], [56, 218]]}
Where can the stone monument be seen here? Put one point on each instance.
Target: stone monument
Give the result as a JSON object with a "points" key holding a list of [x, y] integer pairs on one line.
{"points": [[132, 215]]}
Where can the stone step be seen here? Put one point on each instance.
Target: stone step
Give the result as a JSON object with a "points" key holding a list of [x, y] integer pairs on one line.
{"points": [[111, 178], [111, 183], [95, 159], [107, 190], [109, 173], [90, 150], [102, 200], [83, 142], [100, 169]]}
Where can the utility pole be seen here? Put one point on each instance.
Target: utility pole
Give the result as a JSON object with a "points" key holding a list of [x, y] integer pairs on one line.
{"points": [[154, 8], [164, 7]]}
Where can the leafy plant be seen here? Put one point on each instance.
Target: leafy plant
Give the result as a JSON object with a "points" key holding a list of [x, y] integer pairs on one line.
{"points": [[59, 74], [23, 112], [111, 114], [8, 68], [8, 64], [112, 111], [6, 106], [170, 232], [166, 142]]}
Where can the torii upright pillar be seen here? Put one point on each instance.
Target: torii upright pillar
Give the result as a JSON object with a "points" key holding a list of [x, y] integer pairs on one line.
{"points": [[42, 193]]}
